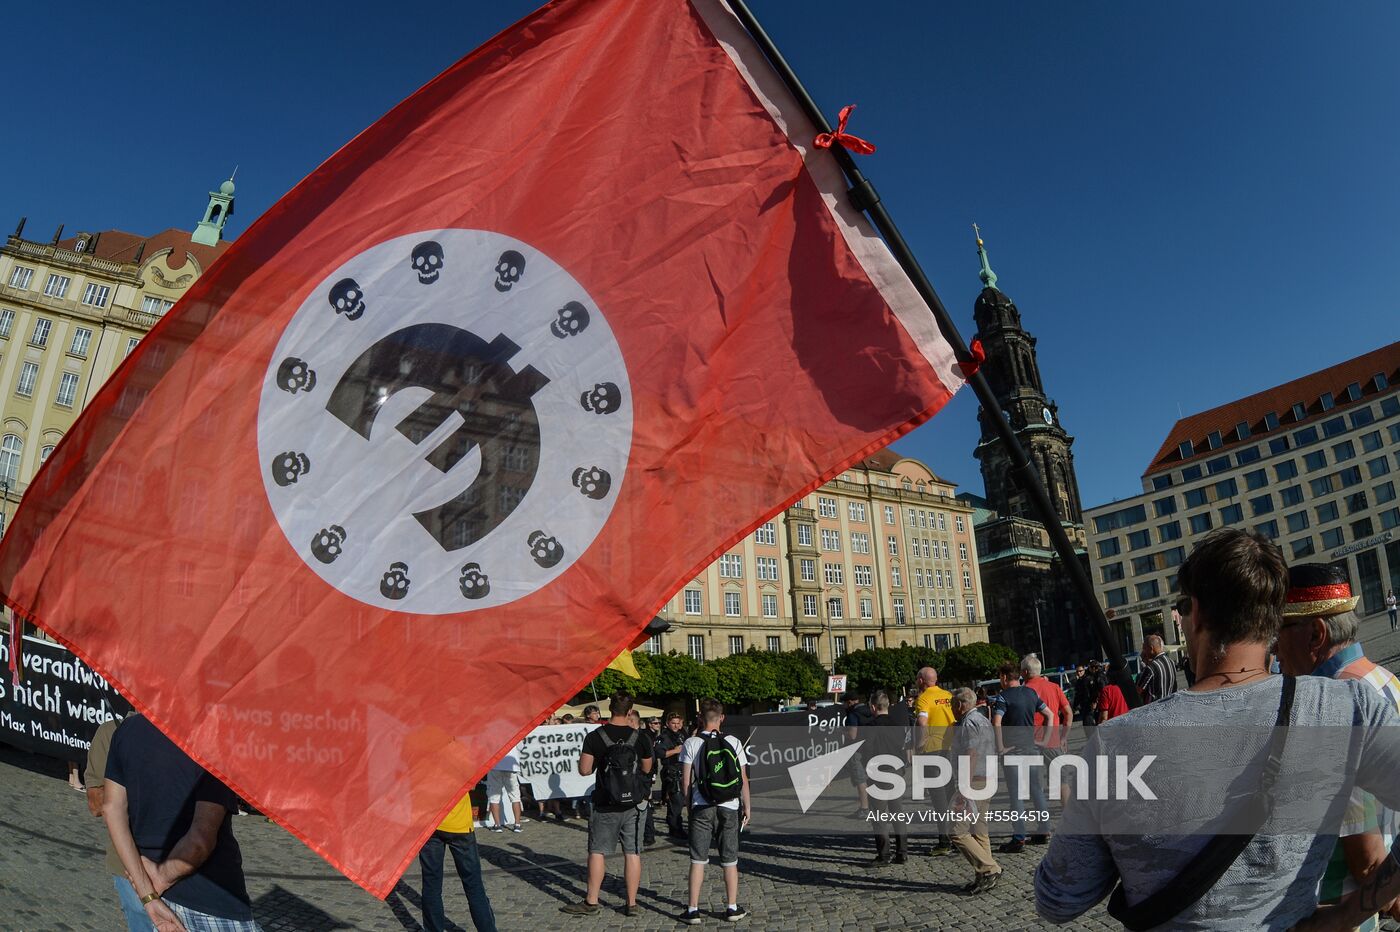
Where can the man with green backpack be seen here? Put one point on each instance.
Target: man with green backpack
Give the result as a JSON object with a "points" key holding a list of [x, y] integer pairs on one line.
{"points": [[716, 781]]}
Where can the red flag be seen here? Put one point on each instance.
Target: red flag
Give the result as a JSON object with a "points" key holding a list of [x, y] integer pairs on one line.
{"points": [[448, 425]]}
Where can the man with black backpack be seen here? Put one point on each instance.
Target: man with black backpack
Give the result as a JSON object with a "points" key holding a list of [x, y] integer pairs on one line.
{"points": [[621, 756], [713, 775]]}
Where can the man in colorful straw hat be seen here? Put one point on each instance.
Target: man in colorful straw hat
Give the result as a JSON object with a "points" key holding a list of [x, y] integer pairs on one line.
{"points": [[1317, 637]]}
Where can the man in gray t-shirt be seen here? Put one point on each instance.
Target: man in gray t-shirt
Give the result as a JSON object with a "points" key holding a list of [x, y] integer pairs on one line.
{"points": [[1233, 587]]}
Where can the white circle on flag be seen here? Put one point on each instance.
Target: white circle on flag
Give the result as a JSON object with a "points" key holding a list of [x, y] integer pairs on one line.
{"points": [[445, 424]]}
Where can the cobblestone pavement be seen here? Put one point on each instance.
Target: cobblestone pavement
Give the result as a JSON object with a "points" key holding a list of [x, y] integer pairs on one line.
{"points": [[51, 874]]}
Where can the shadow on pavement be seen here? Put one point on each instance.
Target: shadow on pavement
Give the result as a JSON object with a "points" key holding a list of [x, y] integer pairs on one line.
{"points": [[281, 909]]}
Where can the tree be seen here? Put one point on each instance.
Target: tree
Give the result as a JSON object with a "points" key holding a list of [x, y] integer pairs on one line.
{"points": [[797, 673], [886, 667], [967, 664], [743, 679]]}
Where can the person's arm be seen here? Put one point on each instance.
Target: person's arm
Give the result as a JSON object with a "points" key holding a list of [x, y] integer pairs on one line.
{"points": [[1049, 714], [685, 774], [94, 799], [114, 813], [1066, 717], [747, 809], [921, 731], [647, 758], [585, 764], [192, 850], [996, 729]]}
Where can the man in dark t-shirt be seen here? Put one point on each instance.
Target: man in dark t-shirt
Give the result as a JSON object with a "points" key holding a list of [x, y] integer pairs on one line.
{"points": [[886, 736], [1013, 718], [171, 824], [611, 821]]}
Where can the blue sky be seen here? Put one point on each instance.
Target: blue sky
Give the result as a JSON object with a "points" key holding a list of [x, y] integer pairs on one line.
{"points": [[1188, 201]]}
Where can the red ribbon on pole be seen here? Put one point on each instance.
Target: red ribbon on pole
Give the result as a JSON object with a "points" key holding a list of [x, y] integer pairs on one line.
{"points": [[850, 143], [979, 355]]}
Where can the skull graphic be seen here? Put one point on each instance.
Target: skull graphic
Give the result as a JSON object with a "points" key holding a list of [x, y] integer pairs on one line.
{"points": [[573, 320], [288, 467], [294, 375], [348, 298], [545, 549], [394, 585], [326, 545], [592, 481], [474, 583], [427, 261], [605, 398], [509, 268]]}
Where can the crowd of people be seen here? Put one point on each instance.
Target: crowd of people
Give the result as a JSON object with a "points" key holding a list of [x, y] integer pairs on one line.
{"points": [[176, 865]]}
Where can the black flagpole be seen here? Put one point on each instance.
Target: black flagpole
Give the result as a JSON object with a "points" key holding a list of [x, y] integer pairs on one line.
{"points": [[863, 198]]}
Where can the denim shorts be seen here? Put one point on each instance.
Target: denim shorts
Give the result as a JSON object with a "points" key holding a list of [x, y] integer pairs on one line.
{"points": [[704, 824], [606, 829]]}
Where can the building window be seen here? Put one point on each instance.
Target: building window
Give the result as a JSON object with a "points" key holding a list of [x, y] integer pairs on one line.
{"points": [[770, 605], [1165, 506], [1147, 590], [1333, 426], [862, 575], [809, 642], [1231, 514], [839, 647], [1186, 449], [1218, 465], [131, 344], [1303, 548], [1161, 482], [695, 646], [831, 540], [1247, 455], [833, 574], [736, 644], [967, 579], [942, 521], [1332, 537], [1321, 486], [767, 568], [10, 449], [834, 607], [893, 545], [1200, 523], [156, 306], [1371, 442], [809, 606], [1343, 451], [809, 570], [96, 295], [45, 453], [28, 375], [855, 511], [1362, 416], [1355, 502], [67, 389], [57, 286], [1111, 572], [1139, 539], [1116, 597], [804, 535], [1385, 492], [866, 609], [1195, 498], [20, 277], [775, 643], [1123, 517], [923, 608], [1378, 467], [962, 552], [1269, 529], [40, 336], [899, 618], [1286, 470], [692, 601], [970, 608], [766, 534], [654, 644], [82, 336], [731, 566], [731, 604], [1327, 511], [7, 322], [1169, 531], [894, 576], [923, 519], [1262, 505], [860, 543], [1109, 548], [1298, 521], [958, 523], [826, 507], [1293, 495], [1326, 401], [913, 515], [870, 642], [1315, 460], [889, 514], [1390, 519]]}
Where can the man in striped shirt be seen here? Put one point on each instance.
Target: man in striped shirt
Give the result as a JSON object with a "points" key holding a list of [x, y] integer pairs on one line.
{"points": [[1158, 677], [1317, 637]]}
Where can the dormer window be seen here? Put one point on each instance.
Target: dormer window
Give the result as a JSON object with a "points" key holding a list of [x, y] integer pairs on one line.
{"points": [[1213, 441], [1242, 430], [1326, 401], [1354, 391], [1187, 449], [1271, 421], [1380, 381], [1299, 412]]}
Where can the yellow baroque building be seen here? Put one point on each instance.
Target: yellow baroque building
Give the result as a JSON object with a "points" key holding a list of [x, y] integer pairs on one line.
{"points": [[71, 310]]}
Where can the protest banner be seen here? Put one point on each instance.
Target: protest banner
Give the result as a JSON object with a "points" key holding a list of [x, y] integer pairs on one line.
{"points": [[58, 704], [547, 759]]}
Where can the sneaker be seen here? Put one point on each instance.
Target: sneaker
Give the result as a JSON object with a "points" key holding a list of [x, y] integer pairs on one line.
{"points": [[515, 827], [986, 882], [900, 858], [580, 909], [495, 828], [878, 863], [1039, 839], [970, 888], [1014, 846], [691, 917], [523, 820], [735, 913]]}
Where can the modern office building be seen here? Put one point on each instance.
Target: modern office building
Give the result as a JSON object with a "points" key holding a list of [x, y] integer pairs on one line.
{"points": [[71, 309], [882, 556], [1312, 463]]}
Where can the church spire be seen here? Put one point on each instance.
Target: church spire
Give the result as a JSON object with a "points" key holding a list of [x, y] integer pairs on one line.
{"points": [[216, 214], [989, 278]]}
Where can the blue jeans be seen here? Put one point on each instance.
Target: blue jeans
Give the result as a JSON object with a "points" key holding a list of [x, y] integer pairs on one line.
{"points": [[468, 861], [1039, 799], [135, 913]]}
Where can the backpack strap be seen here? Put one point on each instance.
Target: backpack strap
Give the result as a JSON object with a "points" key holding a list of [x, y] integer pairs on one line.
{"points": [[1205, 871], [607, 741]]}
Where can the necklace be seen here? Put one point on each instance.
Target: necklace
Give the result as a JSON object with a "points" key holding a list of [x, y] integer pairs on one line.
{"points": [[1229, 675]]}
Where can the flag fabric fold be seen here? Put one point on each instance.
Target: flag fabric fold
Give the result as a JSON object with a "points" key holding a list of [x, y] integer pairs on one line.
{"points": [[440, 433]]}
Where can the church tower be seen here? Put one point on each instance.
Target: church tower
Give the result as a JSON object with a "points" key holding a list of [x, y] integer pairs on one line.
{"points": [[1014, 376], [216, 214]]}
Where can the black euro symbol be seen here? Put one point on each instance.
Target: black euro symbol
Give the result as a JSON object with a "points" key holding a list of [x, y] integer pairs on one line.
{"points": [[468, 376]]}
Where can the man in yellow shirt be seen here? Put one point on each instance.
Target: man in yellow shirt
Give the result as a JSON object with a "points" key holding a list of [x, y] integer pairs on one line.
{"points": [[455, 833], [934, 718]]}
